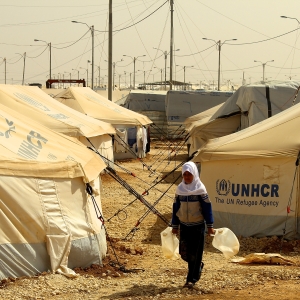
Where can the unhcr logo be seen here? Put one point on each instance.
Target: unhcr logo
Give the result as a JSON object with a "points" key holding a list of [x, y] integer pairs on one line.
{"points": [[11, 128], [223, 187]]}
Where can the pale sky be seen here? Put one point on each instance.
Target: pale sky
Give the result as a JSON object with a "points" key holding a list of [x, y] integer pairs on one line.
{"points": [[248, 21]]}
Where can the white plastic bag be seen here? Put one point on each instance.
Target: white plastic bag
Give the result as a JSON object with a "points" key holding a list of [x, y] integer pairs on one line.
{"points": [[169, 244], [226, 241]]}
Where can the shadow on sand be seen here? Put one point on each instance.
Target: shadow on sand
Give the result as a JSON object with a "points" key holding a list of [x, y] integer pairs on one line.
{"points": [[140, 290]]}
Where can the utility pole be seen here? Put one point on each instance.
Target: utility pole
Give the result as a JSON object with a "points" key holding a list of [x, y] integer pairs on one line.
{"points": [[171, 45], [130, 80], [24, 68], [99, 74], [219, 49], [49, 44], [110, 53], [92, 33], [4, 59]]}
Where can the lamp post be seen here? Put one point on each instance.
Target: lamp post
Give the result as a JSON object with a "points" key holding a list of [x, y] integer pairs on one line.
{"points": [[264, 65], [49, 44], [70, 76], [125, 79], [99, 75], [77, 74], [24, 57], [92, 34], [134, 60], [160, 73], [119, 81], [165, 53], [130, 80], [145, 76], [114, 68], [285, 17], [4, 59], [290, 76], [220, 44], [184, 67]]}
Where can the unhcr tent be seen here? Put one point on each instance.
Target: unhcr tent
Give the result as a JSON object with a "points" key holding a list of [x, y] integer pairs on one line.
{"points": [[89, 102], [38, 106], [249, 105], [151, 104], [47, 220], [252, 177], [94, 105], [138, 100], [183, 104]]}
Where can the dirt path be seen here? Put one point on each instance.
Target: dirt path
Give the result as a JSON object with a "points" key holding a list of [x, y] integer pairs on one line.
{"points": [[152, 276]]}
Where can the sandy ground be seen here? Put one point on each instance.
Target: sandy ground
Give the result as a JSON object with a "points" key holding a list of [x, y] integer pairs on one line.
{"points": [[135, 267]]}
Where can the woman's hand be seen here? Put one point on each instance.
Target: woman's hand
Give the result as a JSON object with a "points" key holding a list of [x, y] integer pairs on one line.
{"points": [[210, 231], [175, 231]]}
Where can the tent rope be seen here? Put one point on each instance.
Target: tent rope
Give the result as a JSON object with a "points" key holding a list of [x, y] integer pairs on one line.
{"points": [[169, 144], [114, 175], [169, 156], [174, 148], [288, 208], [125, 146], [115, 164], [99, 215], [140, 220]]}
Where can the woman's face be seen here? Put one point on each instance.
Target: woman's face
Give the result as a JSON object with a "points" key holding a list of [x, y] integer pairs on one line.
{"points": [[187, 177]]}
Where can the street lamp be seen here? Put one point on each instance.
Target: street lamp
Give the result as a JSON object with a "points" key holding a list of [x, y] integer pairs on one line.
{"points": [[130, 80], [166, 56], [134, 59], [92, 33], [290, 76], [264, 65], [24, 56], [114, 68], [160, 73], [125, 79], [49, 44], [219, 49], [285, 17], [184, 72], [70, 76], [4, 59], [77, 74], [99, 75], [145, 76]]}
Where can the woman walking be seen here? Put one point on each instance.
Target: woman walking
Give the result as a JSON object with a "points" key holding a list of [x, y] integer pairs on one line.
{"points": [[192, 210]]}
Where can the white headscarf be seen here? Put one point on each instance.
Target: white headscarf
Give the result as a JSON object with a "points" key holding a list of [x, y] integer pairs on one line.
{"points": [[196, 187]]}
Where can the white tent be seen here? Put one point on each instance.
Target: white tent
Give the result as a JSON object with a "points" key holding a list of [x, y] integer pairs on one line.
{"points": [[38, 106], [249, 105], [47, 220], [91, 103], [183, 104], [94, 105], [140, 101], [249, 176], [150, 103]]}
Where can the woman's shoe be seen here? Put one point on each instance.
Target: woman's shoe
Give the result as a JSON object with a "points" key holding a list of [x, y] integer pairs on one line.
{"points": [[189, 285]]}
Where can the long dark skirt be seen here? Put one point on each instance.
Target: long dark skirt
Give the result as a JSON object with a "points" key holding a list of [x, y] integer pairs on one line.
{"points": [[191, 248]]}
